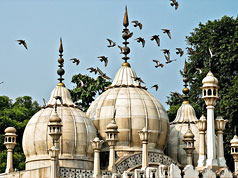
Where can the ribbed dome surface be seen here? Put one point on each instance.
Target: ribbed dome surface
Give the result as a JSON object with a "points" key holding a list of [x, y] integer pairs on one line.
{"points": [[135, 108], [77, 131], [178, 128]]}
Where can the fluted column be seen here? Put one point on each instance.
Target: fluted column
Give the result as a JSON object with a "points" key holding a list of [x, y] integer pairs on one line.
{"points": [[220, 124], [144, 137], [202, 127], [10, 142], [96, 144]]}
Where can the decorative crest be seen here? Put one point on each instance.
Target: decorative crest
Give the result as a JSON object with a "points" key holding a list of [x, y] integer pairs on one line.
{"points": [[61, 71], [126, 34]]}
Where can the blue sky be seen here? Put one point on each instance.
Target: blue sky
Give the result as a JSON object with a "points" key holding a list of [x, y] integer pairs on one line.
{"points": [[84, 26]]}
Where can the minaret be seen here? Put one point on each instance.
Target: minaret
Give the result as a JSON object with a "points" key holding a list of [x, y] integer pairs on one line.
{"points": [[112, 132], [189, 145], [144, 137], [10, 142], [202, 127], [234, 152], [210, 95]]}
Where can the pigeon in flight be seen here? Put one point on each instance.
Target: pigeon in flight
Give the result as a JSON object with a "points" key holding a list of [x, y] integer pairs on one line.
{"points": [[158, 64], [138, 79], [141, 40], [156, 38], [103, 59], [179, 51], [75, 60], [22, 42], [167, 31], [175, 4], [168, 60], [137, 23], [103, 74], [166, 51], [199, 70], [111, 43], [156, 86], [91, 69]]}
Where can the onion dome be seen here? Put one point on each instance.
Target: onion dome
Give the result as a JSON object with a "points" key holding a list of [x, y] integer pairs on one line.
{"points": [[112, 125], [234, 141], [188, 135], [210, 80], [135, 108], [77, 131], [178, 128]]}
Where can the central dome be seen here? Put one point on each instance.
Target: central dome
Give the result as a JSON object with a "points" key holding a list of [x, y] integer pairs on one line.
{"points": [[135, 108]]}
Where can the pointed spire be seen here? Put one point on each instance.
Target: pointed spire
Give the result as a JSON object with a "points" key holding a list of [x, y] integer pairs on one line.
{"points": [[126, 34], [61, 71], [185, 80], [125, 21]]}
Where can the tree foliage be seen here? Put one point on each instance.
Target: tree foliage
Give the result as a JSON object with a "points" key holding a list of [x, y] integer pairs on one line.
{"points": [[15, 114], [85, 95], [221, 36]]}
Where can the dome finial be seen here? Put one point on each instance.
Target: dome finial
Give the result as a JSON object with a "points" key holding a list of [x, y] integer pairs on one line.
{"points": [[185, 80], [125, 21], [61, 71], [126, 34]]}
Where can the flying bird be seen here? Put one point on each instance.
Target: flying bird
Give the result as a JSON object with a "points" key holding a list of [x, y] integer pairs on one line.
{"points": [[212, 55], [199, 70], [22, 42], [91, 69], [167, 31], [141, 40], [156, 38], [168, 60], [156, 86], [179, 51], [75, 60], [175, 4], [111, 43], [103, 74], [58, 98], [103, 59], [177, 94], [81, 84], [166, 51], [127, 31], [1, 82], [138, 79], [158, 64], [137, 23], [122, 49], [191, 51]]}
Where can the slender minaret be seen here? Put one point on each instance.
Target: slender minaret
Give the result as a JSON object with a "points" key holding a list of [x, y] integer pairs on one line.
{"points": [[202, 127], [144, 137], [96, 144], [112, 133], [55, 132], [234, 151], [10, 142], [220, 125], [210, 95], [189, 145]]}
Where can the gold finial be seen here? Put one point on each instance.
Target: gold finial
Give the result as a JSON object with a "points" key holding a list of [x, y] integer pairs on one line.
{"points": [[61, 46], [126, 21], [60, 71]]}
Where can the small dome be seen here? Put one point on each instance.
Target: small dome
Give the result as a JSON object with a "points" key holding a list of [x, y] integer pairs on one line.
{"points": [[202, 118], [10, 130], [178, 129], [135, 108], [77, 131], [188, 134], [234, 141], [185, 113], [210, 80], [112, 125], [55, 118]]}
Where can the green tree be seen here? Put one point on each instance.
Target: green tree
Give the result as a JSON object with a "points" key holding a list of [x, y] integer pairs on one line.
{"points": [[221, 36], [85, 95], [16, 115]]}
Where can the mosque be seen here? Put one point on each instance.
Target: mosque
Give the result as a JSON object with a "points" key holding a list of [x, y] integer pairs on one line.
{"points": [[125, 133]]}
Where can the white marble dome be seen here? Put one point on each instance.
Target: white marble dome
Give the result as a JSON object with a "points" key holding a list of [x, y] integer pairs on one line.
{"points": [[209, 80], [77, 131], [135, 108], [178, 128]]}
